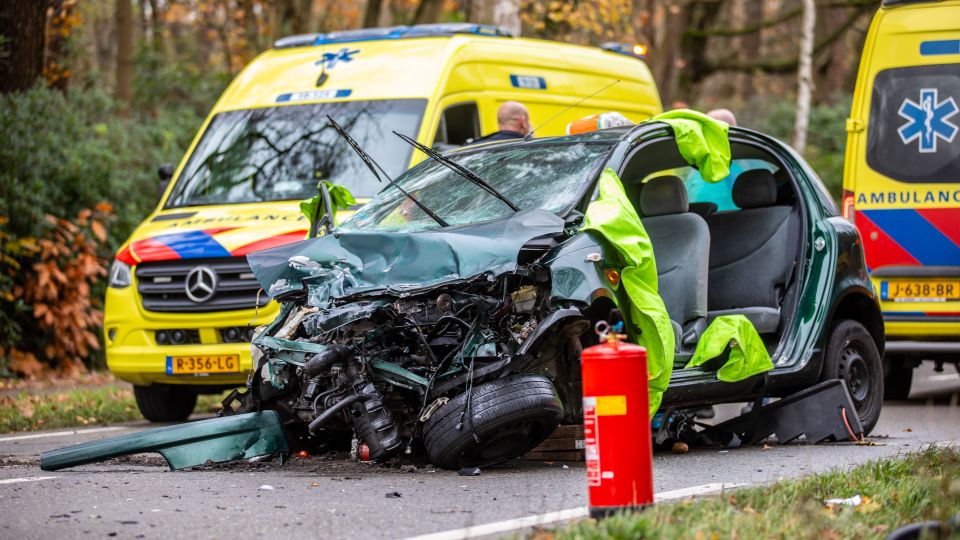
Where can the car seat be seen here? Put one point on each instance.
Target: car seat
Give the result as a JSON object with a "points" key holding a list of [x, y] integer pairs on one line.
{"points": [[752, 252], [681, 247]]}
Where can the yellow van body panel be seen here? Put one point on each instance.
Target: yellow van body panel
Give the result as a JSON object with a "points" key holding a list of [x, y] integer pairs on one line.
{"points": [[443, 71], [910, 229]]}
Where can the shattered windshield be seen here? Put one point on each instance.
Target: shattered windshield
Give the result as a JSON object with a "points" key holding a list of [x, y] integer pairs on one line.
{"points": [[545, 176], [279, 153]]}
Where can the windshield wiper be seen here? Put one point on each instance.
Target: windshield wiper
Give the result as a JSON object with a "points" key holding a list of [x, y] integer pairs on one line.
{"points": [[459, 169], [373, 166]]}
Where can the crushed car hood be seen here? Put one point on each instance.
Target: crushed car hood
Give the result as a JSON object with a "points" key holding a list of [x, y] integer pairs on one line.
{"points": [[348, 263]]}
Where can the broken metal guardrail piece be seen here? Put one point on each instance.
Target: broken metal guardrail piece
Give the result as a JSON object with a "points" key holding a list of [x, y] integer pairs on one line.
{"points": [[185, 445]]}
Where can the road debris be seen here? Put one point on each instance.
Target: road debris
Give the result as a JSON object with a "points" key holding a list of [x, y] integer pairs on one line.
{"points": [[469, 471], [856, 500], [265, 487]]}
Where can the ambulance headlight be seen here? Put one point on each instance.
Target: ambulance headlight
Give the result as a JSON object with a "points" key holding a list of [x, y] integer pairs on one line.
{"points": [[120, 276]]}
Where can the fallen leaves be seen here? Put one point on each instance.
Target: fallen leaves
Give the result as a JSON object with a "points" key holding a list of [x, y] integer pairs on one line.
{"points": [[80, 407], [66, 263], [26, 409]]}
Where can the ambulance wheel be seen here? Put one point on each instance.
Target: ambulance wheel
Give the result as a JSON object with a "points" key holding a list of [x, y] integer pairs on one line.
{"points": [[852, 355], [510, 416], [165, 403], [899, 378]]}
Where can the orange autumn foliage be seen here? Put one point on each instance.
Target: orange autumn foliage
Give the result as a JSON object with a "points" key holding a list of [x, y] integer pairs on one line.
{"points": [[66, 265]]}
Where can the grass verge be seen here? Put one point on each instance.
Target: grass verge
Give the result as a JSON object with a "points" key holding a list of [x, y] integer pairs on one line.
{"points": [[895, 492], [78, 407]]}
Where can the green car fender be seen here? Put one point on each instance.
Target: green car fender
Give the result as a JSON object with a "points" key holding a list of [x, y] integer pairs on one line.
{"points": [[579, 271], [579, 281]]}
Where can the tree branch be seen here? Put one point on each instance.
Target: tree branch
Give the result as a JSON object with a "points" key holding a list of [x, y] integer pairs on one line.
{"points": [[780, 19], [788, 65]]}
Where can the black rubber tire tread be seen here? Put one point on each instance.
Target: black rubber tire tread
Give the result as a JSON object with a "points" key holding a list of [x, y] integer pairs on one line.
{"points": [[849, 330], [165, 404], [899, 378], [494, 405]]}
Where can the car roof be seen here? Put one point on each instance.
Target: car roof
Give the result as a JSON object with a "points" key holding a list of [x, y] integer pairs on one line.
{"points": [[614, 134]]}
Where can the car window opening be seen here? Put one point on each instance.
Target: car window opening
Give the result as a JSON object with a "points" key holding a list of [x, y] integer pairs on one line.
{"points": [[459, 124], [723, 248]]}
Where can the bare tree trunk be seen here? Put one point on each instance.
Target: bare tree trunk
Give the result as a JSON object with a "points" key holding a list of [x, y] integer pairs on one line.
{"points": [[750, 46], [22, 25], [142, 13], [371, 16], [506, 14], [251, 27], [428, 11], [303, 21], [479, 11], [502, 13], [386, 14], [663, 56], [831, 73], [698, 16], [156, 31], [223, 30], [124, 72], [805, 76]]}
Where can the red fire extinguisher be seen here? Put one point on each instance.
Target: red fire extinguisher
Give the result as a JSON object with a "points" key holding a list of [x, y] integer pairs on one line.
{"points": [[616, 425]]}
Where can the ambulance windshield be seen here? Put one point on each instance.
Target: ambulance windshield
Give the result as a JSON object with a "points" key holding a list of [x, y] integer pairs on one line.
{"points": [[279, 153]]}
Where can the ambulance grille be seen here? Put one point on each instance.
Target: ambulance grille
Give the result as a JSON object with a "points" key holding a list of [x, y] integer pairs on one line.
{"points": [[162, 286]]}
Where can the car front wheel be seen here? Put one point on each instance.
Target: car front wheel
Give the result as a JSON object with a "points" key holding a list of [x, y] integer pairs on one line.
{"points": [[165, 403], [510, 416], [852, 355]]}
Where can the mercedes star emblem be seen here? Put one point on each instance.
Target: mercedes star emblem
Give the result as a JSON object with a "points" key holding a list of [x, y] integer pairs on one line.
{"points": [[201, 284]]}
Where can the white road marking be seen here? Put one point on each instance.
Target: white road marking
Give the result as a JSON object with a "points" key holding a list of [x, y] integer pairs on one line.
{"points": [[27, 479], [696, 491], [60, 433], [944, 377], [539, 520], [945, 444]]}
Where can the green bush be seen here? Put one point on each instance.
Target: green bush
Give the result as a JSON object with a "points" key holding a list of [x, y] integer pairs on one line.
{"points": [[63, 153]]}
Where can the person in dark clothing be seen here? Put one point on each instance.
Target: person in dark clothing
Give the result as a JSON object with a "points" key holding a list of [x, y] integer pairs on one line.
{"points": [[513, 122]]}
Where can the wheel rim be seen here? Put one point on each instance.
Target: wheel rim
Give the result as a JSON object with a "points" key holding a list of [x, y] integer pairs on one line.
{"points": [[503, 443], [855, 372]]}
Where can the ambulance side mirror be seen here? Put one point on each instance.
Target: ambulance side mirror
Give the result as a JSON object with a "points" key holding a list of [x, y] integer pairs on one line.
{"points": [[165, 172]]}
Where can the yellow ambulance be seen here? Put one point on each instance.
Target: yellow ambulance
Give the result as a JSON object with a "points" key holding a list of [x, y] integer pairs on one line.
{"points": [[902, 180], [182, 303]]}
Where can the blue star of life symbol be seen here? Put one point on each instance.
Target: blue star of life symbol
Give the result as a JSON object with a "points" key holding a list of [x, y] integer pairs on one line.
{"points": [[928, 120], [331, 59]]}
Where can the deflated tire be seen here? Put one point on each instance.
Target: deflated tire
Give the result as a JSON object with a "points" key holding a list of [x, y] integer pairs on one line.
{"points": [[510, 416]]}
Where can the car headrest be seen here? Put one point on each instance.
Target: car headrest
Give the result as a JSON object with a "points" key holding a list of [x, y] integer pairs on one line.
{"points": [[663, 196], [755, 189]]}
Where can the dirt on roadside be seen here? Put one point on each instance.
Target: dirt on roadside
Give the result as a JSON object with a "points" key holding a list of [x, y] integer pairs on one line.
{"points": [[88, 380]]}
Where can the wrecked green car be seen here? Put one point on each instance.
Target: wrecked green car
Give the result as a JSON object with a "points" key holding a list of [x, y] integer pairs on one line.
{"points": [[445, 318], [447, 315]]}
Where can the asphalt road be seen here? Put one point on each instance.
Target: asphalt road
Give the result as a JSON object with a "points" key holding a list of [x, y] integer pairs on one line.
{"points": [[139, 497]]}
